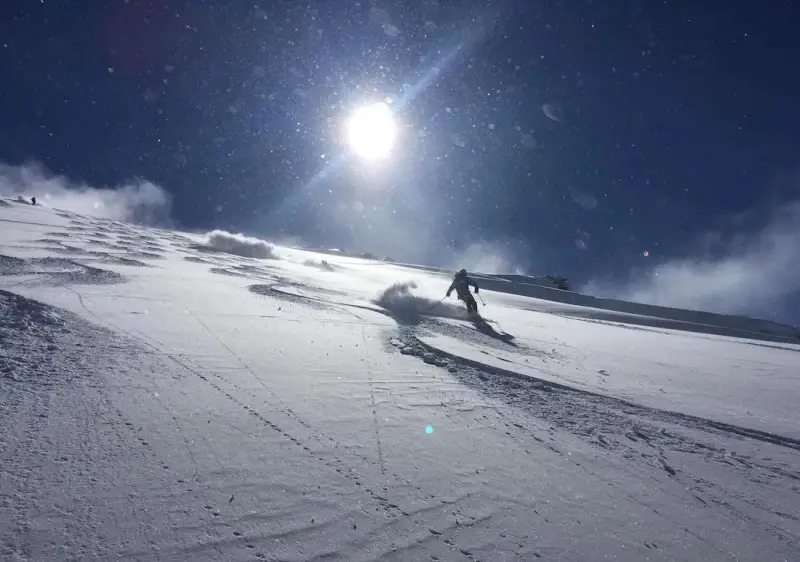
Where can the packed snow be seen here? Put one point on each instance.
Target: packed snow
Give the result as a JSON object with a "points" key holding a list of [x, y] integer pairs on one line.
{"points": [[174, 396]]}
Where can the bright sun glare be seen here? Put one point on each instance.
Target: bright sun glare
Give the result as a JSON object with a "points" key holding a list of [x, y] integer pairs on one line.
{"points": [[371, 131]]}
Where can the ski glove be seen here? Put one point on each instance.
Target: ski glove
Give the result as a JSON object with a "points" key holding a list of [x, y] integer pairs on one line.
{"points": [[448, 294], [476, 290]]}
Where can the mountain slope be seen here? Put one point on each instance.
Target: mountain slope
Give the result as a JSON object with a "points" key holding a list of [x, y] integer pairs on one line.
{"points": [[162, 398]]}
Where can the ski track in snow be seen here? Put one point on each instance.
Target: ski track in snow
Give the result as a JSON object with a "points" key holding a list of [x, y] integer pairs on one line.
{"points": [[163, 401]]}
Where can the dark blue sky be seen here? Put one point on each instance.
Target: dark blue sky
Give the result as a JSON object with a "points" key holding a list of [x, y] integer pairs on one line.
{"points": [[675, 117]]}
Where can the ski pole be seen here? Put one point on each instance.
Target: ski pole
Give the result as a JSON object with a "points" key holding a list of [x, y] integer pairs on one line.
{"points": [[431, 307], [481, 299]]}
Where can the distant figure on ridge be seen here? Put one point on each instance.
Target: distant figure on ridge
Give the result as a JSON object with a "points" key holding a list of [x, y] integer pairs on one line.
{"points": [[461, 283], [33, 200]]}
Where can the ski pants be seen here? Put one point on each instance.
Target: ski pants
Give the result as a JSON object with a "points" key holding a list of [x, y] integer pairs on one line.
{"points": [[469, 300]]}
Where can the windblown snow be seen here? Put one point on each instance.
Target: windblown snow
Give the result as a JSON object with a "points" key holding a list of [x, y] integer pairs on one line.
{"points": [[240, 245], [169, 396]]}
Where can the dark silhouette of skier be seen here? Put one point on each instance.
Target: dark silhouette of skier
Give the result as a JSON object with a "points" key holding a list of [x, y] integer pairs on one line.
{"points": [[461, 283]]}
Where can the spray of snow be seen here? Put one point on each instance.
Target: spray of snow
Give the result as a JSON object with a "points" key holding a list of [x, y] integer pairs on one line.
{"points": [[136, 201], [409, 309], [322, 265], [240, 245], [288, 241]]}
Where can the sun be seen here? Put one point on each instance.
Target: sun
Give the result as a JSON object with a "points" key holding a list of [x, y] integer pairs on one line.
{"points": [[371, 131]]}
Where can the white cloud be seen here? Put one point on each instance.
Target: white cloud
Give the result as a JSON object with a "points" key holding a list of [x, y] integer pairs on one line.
{"points": [[752, 273], [240, 245], [486, 257], [135, 201]]}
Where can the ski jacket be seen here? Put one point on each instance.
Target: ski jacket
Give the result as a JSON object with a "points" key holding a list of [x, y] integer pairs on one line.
{"points": [[461, 285]]}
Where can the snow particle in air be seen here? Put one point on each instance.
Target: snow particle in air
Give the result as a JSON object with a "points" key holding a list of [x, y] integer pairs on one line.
{"points": [[553, 112]]}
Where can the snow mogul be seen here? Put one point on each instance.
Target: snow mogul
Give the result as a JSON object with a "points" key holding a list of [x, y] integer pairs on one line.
{"points": [[461, 283]]}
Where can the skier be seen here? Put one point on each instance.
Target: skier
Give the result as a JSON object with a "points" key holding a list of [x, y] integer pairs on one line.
{"points": [[461, 283]]}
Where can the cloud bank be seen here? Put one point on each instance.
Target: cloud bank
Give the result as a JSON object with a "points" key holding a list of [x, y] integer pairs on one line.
{"points": [[137, 201], [754, 273]]}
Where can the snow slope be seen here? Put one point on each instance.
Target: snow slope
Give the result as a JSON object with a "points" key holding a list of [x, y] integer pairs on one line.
{"points": [[164, 399]]}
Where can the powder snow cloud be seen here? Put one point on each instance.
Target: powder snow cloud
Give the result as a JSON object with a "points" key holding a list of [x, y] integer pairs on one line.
{"points": [[138, 201], [240, 245]]}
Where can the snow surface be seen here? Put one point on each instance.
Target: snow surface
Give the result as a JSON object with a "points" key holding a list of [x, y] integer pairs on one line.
{"points": [[162, 398]]}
